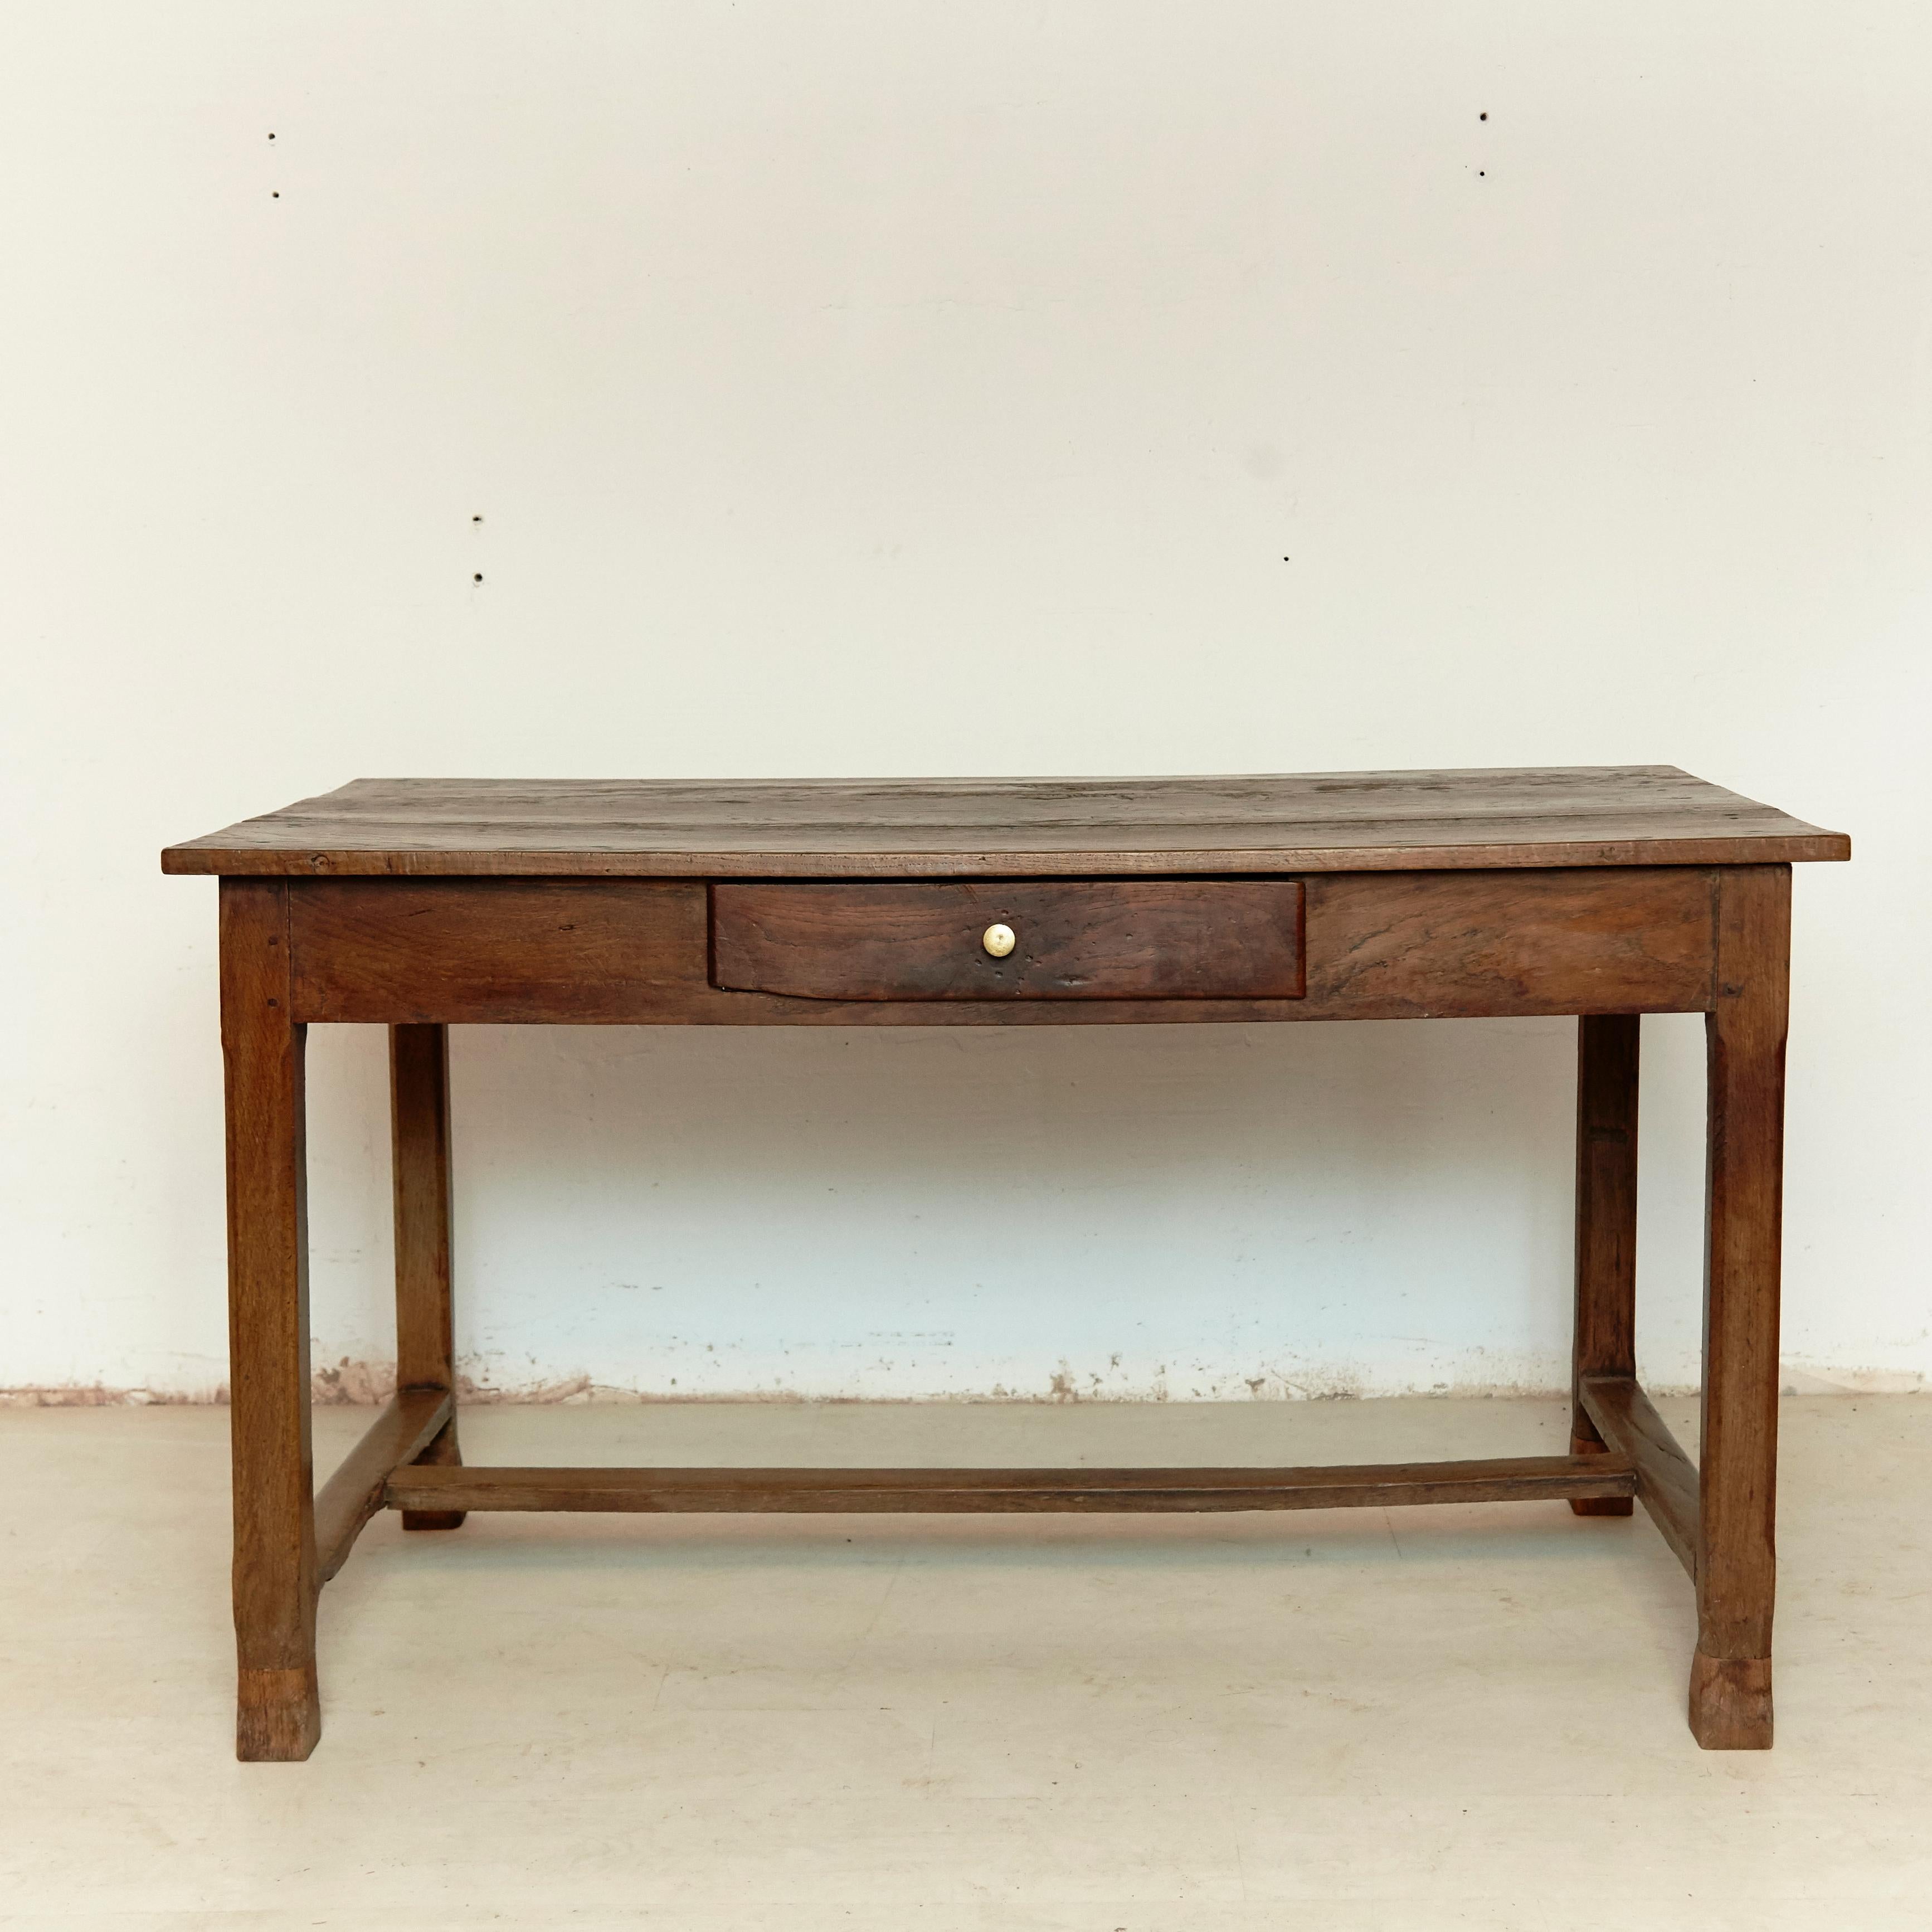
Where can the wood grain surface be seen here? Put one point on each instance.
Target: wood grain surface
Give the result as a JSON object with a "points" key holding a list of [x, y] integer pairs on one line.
{"points": [[1604, 893], [425, 1295], [405, 1426], [1604, 1339], [1667, 1479], [1370, 1486], [274, 1578], [1737, 1463], [903, 828], [1378, 946], [1073, 939]]}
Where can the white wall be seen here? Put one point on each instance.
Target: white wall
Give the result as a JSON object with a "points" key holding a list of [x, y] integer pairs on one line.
{"points": [[902, 388]]}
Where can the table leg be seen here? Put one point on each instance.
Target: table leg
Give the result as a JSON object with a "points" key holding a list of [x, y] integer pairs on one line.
{"points": [[280, 1711], [419, 1122], [1604, 1344], [1730, 1675]]}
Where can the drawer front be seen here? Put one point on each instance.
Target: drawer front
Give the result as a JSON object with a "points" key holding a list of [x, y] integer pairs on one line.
{"points": [[1079, 939]]}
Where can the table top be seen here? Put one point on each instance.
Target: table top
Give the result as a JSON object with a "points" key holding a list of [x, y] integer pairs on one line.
{"points": [[858, 828]]}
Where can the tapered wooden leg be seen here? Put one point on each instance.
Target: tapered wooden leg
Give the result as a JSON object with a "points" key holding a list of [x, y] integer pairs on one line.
{"points": [[419, 1122], [280, 1713], [1606, 1094], [1730, 1676]]}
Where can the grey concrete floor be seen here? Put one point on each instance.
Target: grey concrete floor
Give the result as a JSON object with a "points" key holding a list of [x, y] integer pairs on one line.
{"points": [[1408, 1719]]}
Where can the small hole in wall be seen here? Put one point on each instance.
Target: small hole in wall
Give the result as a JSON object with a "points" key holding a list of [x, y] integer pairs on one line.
{"points": [[477, 578]]}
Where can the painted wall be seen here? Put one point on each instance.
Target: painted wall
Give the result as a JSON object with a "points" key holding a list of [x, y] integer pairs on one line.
{"points": [[635, 388]]}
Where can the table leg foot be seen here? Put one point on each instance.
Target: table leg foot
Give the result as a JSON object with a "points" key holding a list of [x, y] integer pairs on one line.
{"points": [[278, 1715], [444, 1452], [1588, 1445], [1730, 1703]]}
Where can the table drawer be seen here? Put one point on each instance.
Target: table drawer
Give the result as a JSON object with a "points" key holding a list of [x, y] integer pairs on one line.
{"points": [[1070, 939]]}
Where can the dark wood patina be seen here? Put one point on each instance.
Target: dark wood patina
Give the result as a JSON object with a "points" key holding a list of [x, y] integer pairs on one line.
{"points": [[424, 904]]}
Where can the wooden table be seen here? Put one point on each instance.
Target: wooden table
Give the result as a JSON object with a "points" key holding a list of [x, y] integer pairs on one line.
{"points": [[423, 903]]}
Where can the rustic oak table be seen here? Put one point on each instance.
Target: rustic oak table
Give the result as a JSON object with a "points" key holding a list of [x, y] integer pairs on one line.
{"points": [[423, 903]]}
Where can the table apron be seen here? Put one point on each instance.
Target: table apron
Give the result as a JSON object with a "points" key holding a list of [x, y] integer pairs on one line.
{"points": [[637, 952]]}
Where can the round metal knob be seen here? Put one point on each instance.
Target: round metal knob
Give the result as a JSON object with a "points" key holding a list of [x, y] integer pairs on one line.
{"points": [[997, 940]]}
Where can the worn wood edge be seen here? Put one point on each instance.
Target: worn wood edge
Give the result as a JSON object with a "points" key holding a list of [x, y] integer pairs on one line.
{"points": [[1730, 1703], [1369, 1486], [277, 1715], [407, 1424], [386, 862], [1666, 1478], [754, 1009]]}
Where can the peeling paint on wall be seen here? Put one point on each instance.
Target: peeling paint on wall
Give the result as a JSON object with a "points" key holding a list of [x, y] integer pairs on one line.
{"points": [[353, 1383], [92, 1395]]}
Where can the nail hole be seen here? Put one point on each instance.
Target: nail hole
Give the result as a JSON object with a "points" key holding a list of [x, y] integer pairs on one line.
{"points": [[479, 576]]}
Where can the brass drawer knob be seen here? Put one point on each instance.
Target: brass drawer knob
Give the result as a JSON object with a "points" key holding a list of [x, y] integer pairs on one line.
{"points": [[997, 940]]}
